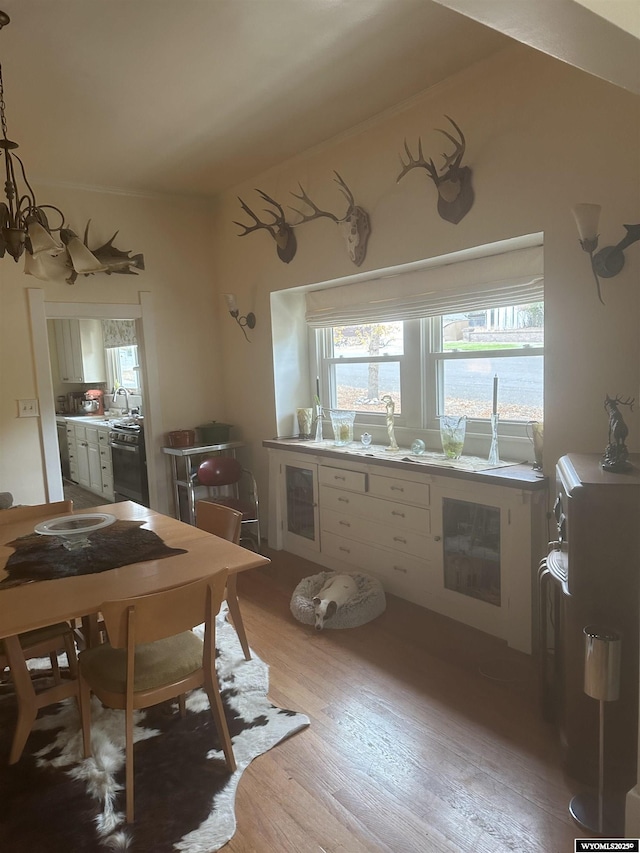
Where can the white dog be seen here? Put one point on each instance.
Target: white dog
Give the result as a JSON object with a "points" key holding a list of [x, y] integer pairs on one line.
{"points": [[336, 591]]}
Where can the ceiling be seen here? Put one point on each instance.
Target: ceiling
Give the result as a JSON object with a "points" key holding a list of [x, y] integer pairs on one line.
{"points": [[194, 96]]}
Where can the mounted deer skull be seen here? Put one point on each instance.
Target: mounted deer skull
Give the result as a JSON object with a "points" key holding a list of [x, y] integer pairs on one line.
{"points": [[455, 193], [279, 229], [354, 225]]}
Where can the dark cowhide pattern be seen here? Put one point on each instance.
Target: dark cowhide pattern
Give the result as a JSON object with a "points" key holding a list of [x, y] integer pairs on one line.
{"points": [[53, 801], [38, 558]]}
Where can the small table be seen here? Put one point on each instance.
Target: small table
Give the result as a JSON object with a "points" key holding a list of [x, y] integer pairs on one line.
{"points": [[183, 479]]}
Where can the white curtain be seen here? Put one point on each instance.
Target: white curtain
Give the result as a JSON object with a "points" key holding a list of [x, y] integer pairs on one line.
{"points": [[509, 278]]}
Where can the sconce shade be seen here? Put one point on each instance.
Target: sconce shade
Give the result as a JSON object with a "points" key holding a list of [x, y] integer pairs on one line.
{"points": [[232, 305], [587, 217], [84, 262], [41, 240]]}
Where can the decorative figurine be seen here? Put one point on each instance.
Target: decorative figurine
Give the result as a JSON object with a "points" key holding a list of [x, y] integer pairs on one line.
{"points": [[616, 455], [390, 405]]}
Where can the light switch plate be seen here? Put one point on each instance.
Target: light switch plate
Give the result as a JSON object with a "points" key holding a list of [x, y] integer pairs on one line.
{"points": [[28, 409]]}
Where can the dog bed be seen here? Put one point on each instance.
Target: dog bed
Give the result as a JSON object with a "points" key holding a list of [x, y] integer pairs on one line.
{"points": [[368, 602]]}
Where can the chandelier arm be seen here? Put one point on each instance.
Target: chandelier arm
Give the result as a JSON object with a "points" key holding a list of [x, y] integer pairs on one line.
{"points": [[24, 178]]}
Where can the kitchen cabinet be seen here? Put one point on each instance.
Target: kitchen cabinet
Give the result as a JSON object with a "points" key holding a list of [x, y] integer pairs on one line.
{"points": [[90, 458], [300, 520], [80, 350], [106, 467], [460, 543], [72, 451]]}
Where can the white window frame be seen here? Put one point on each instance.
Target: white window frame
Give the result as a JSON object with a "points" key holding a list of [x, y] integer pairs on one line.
{"points": [[421, 376]]}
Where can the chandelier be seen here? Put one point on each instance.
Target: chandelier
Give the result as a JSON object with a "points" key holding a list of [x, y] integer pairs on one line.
{"points": [[24, 224]]}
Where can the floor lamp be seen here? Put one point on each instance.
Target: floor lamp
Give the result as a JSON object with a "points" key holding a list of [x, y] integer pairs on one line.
{"points": [[604, 815]]}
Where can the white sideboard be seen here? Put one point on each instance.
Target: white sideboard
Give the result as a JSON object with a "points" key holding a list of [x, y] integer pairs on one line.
{"points": [[465, 544]]}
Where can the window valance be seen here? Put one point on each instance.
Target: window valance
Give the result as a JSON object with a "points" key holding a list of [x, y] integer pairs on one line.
{"points": [[509, 278], [119, 333]]}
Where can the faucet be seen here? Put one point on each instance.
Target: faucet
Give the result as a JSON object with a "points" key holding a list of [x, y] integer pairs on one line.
{"points": [[124, 391]]}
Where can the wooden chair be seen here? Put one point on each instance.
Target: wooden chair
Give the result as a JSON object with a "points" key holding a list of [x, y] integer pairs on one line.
{"points": [[225, 522], [152, 656], [232, 485], [39, 643]]}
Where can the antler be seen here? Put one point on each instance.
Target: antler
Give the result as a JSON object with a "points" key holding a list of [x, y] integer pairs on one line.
{"points": [[418, 162], [270, 227], [628, 402], [452, 161], [317, 213]]}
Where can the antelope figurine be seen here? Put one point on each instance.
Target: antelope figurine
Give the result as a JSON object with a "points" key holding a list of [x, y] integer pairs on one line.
{"points": [[616, 455], [453, 181]]}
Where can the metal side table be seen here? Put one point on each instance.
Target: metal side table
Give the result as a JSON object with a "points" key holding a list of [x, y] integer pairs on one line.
{"points": [[182, 469]]}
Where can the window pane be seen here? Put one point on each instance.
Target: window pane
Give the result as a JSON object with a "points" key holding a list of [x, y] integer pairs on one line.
{"points": [[360, 386], [370, 339], [468, 387], [509, 327]]}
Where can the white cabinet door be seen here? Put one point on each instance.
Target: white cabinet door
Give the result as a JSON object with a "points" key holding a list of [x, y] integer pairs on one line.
{"points": [[84, 477], [301, 528], [80, 350], [95, 468]]}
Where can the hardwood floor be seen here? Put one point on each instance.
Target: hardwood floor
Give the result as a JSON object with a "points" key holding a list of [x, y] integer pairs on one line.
{"points": [[82, 498], [425, 736]]}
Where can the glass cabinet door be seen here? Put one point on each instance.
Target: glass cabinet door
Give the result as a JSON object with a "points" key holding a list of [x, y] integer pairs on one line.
{"points": [[301, 502], [471, 549]]}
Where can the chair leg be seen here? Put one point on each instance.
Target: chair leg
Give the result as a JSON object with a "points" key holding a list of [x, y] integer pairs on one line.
{"points": [[217, 711], [182, 705], [55, 669], [236, 615], [25, 694], [129, 764], [84, 701], [72, 660]]}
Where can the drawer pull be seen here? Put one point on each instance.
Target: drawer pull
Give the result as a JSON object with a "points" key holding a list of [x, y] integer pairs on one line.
{"points": [[338, 477], [345, 523], [400, 569], [346, 550], [344, 500], [397, 489], [395, 512], [399, 539], [437, 538]]}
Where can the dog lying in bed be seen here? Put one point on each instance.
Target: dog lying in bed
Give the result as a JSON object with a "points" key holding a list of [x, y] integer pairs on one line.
{"points": [[336, 591]]}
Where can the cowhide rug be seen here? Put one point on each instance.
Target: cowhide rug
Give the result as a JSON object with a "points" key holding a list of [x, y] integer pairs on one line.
{"points": [[53, 800]]}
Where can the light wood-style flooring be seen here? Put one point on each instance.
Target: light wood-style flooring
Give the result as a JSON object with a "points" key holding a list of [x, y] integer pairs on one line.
{"points": [[425, 736]]}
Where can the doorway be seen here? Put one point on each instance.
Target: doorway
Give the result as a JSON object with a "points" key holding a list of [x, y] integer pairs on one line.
{"points": [[143, 314]]}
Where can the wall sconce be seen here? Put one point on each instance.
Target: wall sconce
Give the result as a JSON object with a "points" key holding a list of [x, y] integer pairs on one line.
{"points": [[608, 261], [248, 320]]}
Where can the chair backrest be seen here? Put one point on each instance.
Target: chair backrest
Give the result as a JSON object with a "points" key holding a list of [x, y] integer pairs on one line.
{"points": [[24, 513], [219, 471], [222, 521], [163, 614]]}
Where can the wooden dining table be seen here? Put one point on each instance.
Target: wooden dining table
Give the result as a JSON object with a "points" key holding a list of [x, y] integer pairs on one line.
{"points": [[39, 603]]}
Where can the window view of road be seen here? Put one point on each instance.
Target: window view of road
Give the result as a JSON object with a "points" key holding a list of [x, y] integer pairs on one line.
{"points": [[496, 342]]}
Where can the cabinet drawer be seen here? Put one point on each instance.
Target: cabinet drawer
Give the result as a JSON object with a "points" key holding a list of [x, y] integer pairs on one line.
{"points": [[355, 481], [103, 436], [80, 432], [399, 490], [365, 530], [387, 512], [399, 574]]}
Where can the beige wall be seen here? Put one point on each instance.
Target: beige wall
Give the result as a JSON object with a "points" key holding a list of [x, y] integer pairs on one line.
{"points": [[541, 136], [174, 236]]}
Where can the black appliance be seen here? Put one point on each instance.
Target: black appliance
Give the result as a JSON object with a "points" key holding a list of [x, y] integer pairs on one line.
{"points": [[129, 461], [591, 577]]}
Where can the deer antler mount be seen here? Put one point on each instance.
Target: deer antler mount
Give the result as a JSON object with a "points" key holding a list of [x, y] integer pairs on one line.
{"points": [[452, 180], [354, 225], [279, 229]]}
